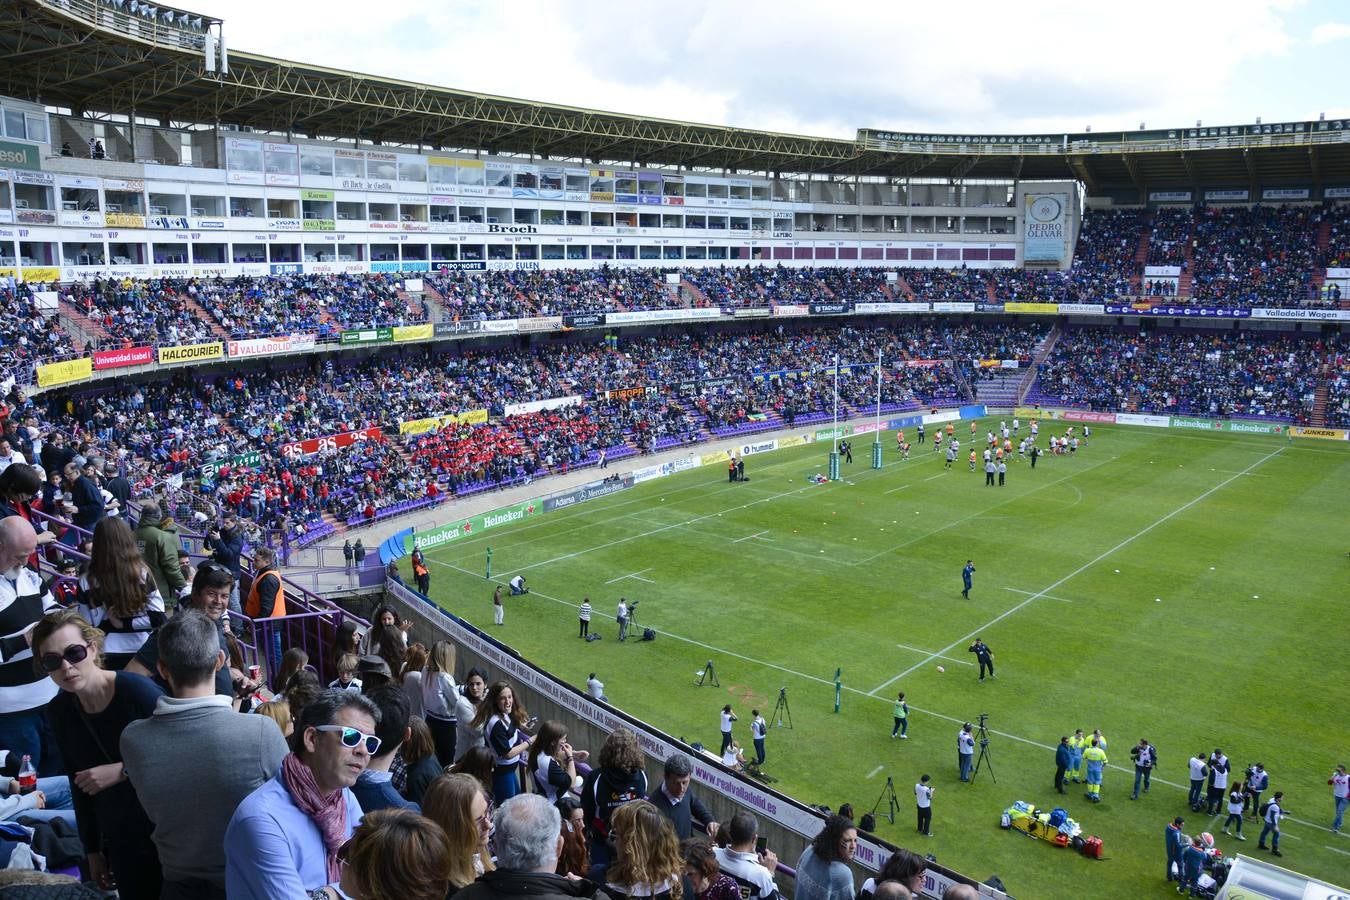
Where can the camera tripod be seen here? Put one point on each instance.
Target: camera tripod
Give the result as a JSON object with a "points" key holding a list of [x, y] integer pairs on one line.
{"points": [[985, 759], [709, 675], [892, 804], [781, 709]]}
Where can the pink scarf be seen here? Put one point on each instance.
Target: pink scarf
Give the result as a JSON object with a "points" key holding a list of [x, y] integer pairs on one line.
{"points": [[329, 811]]}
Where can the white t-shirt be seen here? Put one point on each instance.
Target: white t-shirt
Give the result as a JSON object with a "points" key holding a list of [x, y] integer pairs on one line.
{"points": [[965, 743], [726, 723], [595, 687], [923, 795], [1340, 785], [518, 582]]}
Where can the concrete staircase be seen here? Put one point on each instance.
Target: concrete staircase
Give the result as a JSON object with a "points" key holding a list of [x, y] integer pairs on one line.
{"points": [[82, 328], [1002, 388], [1141, 260], [1318, 417], [217, 330], [1187, 270], [693, 294], [1028, 378], [1319, 275], [906, 292]]}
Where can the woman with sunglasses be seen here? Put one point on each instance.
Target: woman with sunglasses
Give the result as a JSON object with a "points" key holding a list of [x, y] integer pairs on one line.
{"points": [[285, 837], [88, 715], [456, 802]]}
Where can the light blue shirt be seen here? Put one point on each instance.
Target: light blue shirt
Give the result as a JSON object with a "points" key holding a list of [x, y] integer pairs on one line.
{"points": [[273, 851]]}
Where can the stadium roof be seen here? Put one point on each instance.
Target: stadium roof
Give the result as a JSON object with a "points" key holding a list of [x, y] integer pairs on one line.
{"points": [[92, 57]]}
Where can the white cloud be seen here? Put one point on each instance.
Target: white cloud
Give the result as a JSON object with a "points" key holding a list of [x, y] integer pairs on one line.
{"points": [[802, 66], [1329, 32]]}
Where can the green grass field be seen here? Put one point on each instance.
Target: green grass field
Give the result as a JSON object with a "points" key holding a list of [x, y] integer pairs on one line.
{"points": [[1187, 588]]}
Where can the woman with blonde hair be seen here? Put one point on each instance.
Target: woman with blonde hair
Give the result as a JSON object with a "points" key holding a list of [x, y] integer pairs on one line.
{"points": [[278, 711], [118, 595], [395, 854], [87, 716], [647, 860], [439, 694], [456, 802]]}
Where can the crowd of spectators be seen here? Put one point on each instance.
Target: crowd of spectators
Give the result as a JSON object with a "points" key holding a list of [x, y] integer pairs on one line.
{"points": [[1237, 256], [28, 333], [189, 430], [1170, 235], [1254, 256], [1337, 252], [1104, 261], [140, 311], [1211, 374], [137, 312]]}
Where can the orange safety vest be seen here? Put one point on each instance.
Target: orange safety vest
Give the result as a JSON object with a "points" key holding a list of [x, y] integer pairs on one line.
{"points": [[253, 606], [419, 568]]}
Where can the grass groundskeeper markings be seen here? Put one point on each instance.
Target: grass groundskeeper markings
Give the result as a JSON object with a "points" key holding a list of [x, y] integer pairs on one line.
{"points": [[963, 662], [1033, 594], [861, 693], [1081, 569]]}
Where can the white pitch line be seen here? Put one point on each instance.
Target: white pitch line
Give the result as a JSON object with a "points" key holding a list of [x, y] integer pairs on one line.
{"points": [[749, 537], [1332, 849], [861, 693], [964, 662], [1078, 571], [873, 773], [1043, 596], [900, 488], [633, 575]]}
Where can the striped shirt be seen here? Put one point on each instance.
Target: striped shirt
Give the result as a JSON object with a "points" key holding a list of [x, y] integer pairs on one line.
{"points": [[22, 603], [123, 637]]}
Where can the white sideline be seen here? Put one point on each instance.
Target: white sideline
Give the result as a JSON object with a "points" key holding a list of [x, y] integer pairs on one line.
{"points": [[1078, 571]]}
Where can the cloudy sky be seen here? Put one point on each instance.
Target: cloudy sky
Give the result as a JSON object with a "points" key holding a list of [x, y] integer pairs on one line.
{"points": [[830, 68]]}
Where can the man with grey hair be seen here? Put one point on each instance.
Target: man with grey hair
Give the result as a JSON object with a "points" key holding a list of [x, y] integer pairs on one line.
{"points": [[677, 803], [195, 745], [24, 690], [528, 839]]}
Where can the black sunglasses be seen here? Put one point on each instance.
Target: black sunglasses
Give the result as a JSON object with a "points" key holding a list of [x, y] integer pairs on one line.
{"points": [[74, 654]]}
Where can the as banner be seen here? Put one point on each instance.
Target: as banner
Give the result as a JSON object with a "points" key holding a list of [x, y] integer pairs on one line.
{"points": [[191, 353], [436, 423], [65, 372], [310, 446]]}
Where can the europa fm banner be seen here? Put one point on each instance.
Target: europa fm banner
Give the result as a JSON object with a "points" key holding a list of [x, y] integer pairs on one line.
{"points": [[310, 446], [64, 372]]}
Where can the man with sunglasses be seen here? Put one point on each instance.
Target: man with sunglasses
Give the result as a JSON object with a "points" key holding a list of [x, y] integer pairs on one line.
{"points": [[283, 841], [196, 746], [24, 692]]}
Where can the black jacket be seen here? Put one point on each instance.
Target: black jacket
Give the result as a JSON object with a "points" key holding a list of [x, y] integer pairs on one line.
{"points": [[503, 884], [682, 815]]}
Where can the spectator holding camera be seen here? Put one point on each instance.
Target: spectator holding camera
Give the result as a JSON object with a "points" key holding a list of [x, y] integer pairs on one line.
{"points": [[745, 858]]}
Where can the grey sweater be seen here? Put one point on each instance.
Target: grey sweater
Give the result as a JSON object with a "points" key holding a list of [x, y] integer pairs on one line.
{"points": [[191, 763]]}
